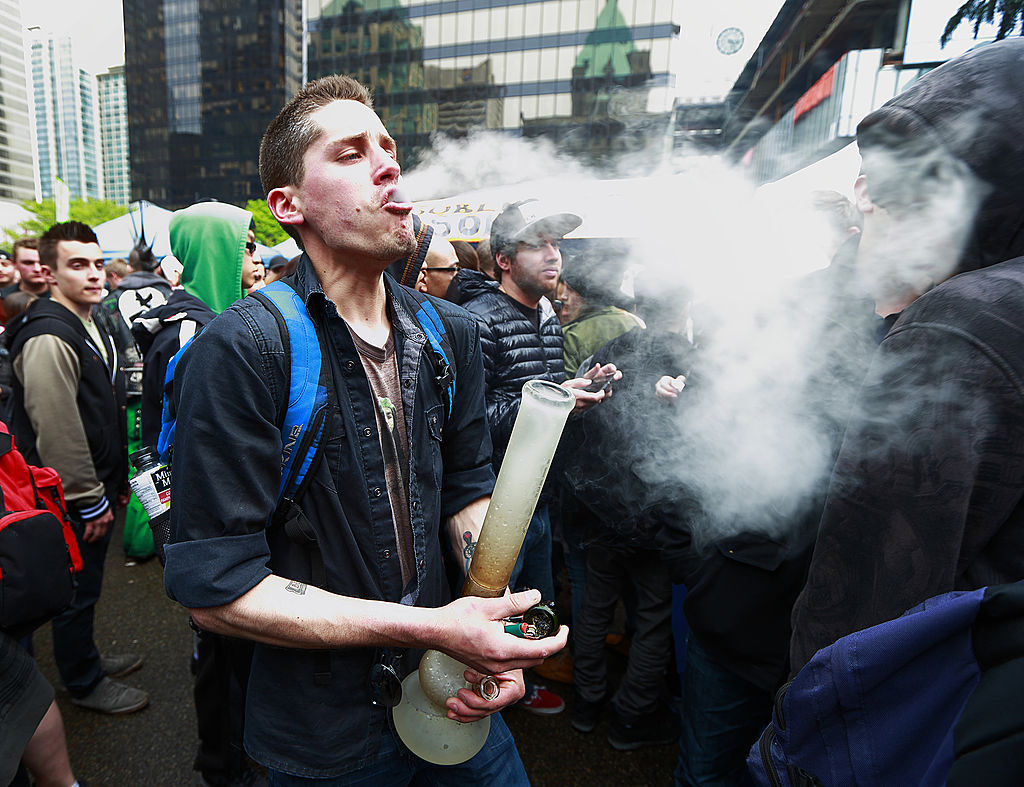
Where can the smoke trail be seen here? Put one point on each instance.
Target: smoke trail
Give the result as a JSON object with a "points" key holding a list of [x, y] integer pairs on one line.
{"points": [[784, 351], [487, 159]]}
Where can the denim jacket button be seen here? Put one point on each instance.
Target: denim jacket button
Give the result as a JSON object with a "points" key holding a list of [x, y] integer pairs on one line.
{"points": [[367, 432], [387, 553], [377, 491]]}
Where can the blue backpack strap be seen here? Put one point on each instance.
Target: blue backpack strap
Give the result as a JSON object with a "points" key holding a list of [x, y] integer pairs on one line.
{"points": [[165, 442], [302, 431], [304, 419], [433, 327]]}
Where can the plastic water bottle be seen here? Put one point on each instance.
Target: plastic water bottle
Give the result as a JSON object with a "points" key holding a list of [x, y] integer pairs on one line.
{"points": [[152, 485]]}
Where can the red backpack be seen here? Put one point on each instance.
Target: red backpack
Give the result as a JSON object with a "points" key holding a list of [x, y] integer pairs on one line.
{"points": [[38, 550]]}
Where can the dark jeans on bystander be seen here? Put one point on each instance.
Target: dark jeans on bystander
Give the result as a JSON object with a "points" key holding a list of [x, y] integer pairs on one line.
{"points": [[723, 715], [610, 572], [74, 649]]}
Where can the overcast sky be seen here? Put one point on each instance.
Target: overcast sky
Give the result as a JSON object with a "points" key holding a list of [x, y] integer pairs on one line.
{"points": [[97, 30]]}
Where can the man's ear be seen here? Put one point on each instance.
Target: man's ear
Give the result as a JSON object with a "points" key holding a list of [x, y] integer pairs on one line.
{"points": [[421, 281], [503, 261], [861, 196], [285, 205], [48, 273]]}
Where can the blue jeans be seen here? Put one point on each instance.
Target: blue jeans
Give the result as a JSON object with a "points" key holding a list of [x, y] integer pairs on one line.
{"points": [[74, 650], [533, 566], [722, 717], [497, 764]]}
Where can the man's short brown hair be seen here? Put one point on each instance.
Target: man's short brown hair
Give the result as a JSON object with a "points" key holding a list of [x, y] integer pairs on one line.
{"points": [[24, 243], [291, 133], [66, 230]]}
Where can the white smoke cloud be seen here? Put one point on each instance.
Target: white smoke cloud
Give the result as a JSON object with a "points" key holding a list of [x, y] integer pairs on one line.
{"points": [[486, 159], [774, 383]]}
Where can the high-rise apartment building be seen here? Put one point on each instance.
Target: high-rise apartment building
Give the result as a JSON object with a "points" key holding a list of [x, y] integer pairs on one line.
{"points": [[113, 101], [204, 79], [66, 118], [17, 174], [578, 70]]}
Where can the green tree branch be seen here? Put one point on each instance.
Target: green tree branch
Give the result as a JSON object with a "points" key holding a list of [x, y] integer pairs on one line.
{"points": [[979, 11]]}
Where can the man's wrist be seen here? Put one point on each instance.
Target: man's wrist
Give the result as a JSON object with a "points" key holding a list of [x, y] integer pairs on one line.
{"points": [[94, 510]]}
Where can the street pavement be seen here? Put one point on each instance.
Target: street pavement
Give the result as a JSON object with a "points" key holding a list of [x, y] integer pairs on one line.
{"points": [[155, 747]]}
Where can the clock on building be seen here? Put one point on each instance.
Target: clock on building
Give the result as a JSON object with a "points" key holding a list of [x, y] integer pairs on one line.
{"points": [[730, 41]]}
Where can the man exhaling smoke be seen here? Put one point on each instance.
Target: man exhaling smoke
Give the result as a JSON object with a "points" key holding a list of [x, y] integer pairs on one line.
{"points": [[927, 494]]}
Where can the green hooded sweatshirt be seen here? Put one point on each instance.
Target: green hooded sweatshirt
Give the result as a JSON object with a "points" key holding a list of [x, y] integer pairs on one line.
{"points": [[209, 241]]}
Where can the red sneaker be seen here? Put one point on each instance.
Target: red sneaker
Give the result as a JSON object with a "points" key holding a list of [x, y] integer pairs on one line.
{"points": [[542, 702]]}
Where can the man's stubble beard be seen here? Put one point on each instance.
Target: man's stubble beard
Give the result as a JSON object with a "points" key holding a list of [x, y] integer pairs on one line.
{"points": [[397, 245], [531, 287], [386, 247]]}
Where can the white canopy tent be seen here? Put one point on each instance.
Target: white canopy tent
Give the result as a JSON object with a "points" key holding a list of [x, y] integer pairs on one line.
{"points": [[287, 248], [118, 236], [11, 216], [836, 172]]}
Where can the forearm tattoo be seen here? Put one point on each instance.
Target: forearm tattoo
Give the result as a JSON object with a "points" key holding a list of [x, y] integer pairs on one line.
{"points": [[298, 588]]}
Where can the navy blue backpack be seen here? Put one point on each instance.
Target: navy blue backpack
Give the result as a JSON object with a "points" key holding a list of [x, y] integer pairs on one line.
{"points": [[933, 697]]}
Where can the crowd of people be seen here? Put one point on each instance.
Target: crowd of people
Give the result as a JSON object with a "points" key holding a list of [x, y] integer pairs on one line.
{"points": [[314, 585]]}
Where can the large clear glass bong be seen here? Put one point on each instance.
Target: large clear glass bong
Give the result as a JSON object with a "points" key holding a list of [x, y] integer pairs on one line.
{"points": [[421, 718]]}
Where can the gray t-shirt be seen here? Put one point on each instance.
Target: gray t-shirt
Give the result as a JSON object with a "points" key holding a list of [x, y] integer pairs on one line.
{"points": [[381, 368]]}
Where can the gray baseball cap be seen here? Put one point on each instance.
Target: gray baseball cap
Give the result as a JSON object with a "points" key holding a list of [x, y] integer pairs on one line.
{"points": [[526, 220]]}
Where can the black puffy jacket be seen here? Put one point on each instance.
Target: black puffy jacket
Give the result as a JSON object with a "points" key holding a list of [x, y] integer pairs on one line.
{"points": [[514, 351]]}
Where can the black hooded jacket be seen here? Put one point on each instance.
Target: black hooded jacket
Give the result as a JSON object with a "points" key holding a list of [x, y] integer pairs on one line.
{"points": [[100, 397], [927, 495], [514, 349], [186, 315], [137, 293], [609, 447]]}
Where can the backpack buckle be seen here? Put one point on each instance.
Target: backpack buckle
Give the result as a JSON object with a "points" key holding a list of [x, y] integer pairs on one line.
{"points": [[445, 376]]}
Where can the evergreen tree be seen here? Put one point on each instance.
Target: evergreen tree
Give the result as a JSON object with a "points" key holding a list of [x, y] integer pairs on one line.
{"points": [[980, 11], [88, 211], [267, 231]]}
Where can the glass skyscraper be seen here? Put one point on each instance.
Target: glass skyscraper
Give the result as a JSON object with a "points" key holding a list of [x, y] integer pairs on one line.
{"points": [[577, 70], [66, 118], [114, 134], [204, 79], [17, 176]]}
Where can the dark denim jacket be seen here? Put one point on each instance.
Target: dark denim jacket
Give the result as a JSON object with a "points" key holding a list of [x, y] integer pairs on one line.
{"points": [[225, 476]]}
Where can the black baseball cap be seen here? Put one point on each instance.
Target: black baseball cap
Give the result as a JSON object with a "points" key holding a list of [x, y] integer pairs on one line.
{"points": [[525, 221], [275, 261]]}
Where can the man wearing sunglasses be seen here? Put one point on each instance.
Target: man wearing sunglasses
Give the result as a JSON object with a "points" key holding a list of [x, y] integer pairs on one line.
{"points": [[439, 268]]}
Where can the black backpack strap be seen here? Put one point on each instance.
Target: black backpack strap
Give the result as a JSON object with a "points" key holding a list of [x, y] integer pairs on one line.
{"points": [[445, 373]]}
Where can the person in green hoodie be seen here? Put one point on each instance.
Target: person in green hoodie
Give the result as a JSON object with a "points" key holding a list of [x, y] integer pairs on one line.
{"points": [[215, 244], [216, 247], [592, 280]]}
